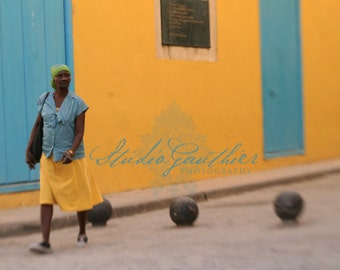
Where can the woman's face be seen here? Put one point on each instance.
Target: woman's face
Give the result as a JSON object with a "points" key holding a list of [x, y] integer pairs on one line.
{"points": [[62, 79]]}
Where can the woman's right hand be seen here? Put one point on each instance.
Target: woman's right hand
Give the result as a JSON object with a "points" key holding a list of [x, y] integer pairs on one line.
{"points": [[30, 160]]}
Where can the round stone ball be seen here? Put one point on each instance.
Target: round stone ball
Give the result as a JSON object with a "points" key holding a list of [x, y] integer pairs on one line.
{"points": [[184, 211], [100, 213], [288, 205]]}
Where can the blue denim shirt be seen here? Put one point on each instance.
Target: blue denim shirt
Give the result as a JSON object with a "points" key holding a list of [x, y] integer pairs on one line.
{"points": [[58, 130]]}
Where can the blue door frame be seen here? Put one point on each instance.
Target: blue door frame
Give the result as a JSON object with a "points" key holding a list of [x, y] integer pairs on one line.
{"points": [[281, 77], [34, 35]]}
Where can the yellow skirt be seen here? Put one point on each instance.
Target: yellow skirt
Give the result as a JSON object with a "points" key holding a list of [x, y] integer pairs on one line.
{"points": [[71, 186]]}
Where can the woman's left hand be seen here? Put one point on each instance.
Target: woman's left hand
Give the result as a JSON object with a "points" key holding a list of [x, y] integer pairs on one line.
{"points": [[67, 157]]}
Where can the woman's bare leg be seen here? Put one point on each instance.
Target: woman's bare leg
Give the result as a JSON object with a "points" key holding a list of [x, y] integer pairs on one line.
{"points": [[46, 213]]}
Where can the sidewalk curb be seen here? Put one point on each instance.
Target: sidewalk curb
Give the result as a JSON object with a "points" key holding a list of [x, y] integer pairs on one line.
{"points": [[27, 227], [218, 193]]}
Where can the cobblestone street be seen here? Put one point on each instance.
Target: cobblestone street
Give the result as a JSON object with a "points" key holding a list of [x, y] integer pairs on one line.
{"points": [[234, 232]]}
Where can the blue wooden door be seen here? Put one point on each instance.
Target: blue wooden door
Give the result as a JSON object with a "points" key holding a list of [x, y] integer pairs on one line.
{"points": [[34, 34], [281, 77]]}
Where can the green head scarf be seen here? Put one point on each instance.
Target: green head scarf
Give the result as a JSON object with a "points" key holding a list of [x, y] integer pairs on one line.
{"points": [[55, 70]]}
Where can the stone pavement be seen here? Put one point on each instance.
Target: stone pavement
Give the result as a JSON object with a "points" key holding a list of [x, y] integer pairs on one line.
{"points": [[26, 220]]}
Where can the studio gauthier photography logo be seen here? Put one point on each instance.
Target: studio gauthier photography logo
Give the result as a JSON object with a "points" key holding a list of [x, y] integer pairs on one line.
{"points": [[175, 153]]}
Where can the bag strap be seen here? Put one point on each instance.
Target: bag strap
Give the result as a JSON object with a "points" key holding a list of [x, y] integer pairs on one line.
{"points": [[44, 101]]}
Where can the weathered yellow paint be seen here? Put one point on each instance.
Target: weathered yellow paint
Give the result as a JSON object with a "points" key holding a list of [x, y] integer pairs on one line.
{"points": [[137, 97], [129, 87], [20, 199], [321, 52]]}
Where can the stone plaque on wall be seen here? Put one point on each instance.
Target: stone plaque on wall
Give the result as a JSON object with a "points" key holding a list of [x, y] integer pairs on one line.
{"points": [[185, 23]]}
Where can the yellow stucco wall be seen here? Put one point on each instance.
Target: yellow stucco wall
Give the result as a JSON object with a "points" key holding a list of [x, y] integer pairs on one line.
{"points": [[321, 57], [135, 95], [139, 99]]}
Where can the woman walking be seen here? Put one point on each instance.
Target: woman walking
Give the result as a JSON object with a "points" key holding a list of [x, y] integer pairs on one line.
{"points": [[64, 175]]}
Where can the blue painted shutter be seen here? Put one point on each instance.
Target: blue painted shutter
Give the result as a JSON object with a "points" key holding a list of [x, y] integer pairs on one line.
{"points": [[32, 38], [281, 77]]}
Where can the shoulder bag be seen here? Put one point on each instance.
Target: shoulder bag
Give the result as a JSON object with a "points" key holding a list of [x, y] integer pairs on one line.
{"points": [[36, 147]]}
